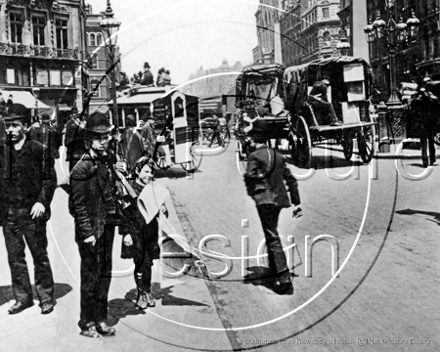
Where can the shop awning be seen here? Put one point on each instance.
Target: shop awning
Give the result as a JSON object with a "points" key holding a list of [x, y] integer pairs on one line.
{"points": [[25, 98]]}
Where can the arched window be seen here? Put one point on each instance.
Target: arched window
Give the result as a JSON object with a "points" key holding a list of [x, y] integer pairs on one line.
{"points": [[92, 39], [98, 39]]}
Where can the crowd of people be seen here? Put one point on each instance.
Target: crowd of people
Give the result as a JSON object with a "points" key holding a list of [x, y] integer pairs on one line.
{"points": [[111, 185], [146, 77]]}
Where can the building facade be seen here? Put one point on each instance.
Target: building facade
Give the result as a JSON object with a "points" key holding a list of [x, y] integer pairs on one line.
{"points": [[267, 18], [213, 82], [100, 84], [353, 17], [310, 29], [42, 49], [416, 56]]}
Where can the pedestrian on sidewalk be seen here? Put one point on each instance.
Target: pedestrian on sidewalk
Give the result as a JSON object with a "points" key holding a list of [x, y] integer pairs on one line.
{"points": [[28, 181], [74, 138], [264, 179], [141, 235], [148, 134], [132, 143], [93, 204]]}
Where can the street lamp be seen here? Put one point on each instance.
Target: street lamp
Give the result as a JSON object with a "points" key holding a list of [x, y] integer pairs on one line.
{"points": [[393, 35], [110, 28], [343, 45]]}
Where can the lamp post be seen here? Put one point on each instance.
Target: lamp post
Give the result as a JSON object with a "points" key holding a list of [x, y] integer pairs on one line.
{"points": [[343, 45], [110, 27], [394, 35], [36, 93]]}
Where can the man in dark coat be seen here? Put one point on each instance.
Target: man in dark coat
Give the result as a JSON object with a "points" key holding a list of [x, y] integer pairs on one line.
{"points": [[132, 144], [324, 111], [92, 203], [265, 176], [147, 76], [29, 182], [47, 134], [74, 138]]}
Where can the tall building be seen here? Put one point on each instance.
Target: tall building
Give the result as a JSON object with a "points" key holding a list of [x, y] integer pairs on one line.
{"points": [[310, 29], [267, 17], [353, 16], [98, 64], [42, 49], [415, 57]]}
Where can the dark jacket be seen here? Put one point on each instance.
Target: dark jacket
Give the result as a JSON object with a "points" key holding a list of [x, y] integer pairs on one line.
{"points": [[265, 176], [49, 136], [147, 78], [132, 146], [92, 197], [320, 88], [74, 140], [28, 176]]}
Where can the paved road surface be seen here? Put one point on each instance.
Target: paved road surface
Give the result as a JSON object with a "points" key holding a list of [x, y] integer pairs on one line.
{"points": [[386, 229]]}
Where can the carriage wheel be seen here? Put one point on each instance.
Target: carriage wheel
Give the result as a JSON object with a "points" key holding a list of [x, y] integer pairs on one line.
{"points": [[347, 144], [196, 160], [301, 144], [225, 134], [160, 161], [366, 143], [437, 138]]}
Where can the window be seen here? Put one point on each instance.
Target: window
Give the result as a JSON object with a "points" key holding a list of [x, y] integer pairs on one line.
{"points": [[16, 27], [92, 39], [61, 33], [10, 76], [38, 27], [326, 12], [95, 88], [98, 39], [95, 62], [326, 38]]}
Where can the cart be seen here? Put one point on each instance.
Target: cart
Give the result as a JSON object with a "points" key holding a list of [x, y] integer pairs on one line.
{"points": [[348, 94], [261, 112], [177, 143]]}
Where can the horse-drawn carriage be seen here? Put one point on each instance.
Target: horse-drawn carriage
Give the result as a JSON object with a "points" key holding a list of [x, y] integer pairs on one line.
{"points": [[276, 103]]}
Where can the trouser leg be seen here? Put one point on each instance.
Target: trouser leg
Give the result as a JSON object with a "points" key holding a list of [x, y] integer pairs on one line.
{"points": [[36, 239], [105, 248], [269, 215], [15, 247]]}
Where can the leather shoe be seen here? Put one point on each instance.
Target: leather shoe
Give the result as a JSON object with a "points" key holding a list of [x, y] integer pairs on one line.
{"points": [[104, 329], [151, 302], [336, 123], [47, 307], [18, 307], [90, 332], [283, 288]]}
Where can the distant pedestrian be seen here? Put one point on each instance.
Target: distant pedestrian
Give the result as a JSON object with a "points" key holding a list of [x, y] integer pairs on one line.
{"points": [[141, 235], [265, 176], [10, 102], [74, 138], [132, 144], [29, 182], [147, 76], [148, 134], [92, 203], [159, 79]]}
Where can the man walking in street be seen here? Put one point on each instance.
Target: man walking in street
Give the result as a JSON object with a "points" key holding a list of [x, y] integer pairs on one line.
{"points": [[132, 144], [148, 135], [29, 182], [92, 203], [265, 176]]}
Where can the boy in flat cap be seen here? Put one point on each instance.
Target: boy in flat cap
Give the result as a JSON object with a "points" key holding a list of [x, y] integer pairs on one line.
{"points": [[29, 181], [92, 203]]}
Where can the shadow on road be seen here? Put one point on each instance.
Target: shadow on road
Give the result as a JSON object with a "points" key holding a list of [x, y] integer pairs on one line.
{"points": [[120, 308], [435, 215], [260, 276], [6, 293]]}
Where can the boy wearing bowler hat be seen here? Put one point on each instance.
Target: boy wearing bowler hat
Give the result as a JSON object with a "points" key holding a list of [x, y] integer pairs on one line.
{"points": [[92, 203], [29, 181]]}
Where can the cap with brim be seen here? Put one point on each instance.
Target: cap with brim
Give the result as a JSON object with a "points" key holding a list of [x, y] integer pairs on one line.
{"points": [[101, 129], [98, 123], [13, 117]]}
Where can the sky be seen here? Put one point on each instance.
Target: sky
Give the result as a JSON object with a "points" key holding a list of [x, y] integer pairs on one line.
{"points": [[183, 35]]}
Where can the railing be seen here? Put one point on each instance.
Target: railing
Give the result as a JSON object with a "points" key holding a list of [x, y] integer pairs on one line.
{"points": [[16, 49]]}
